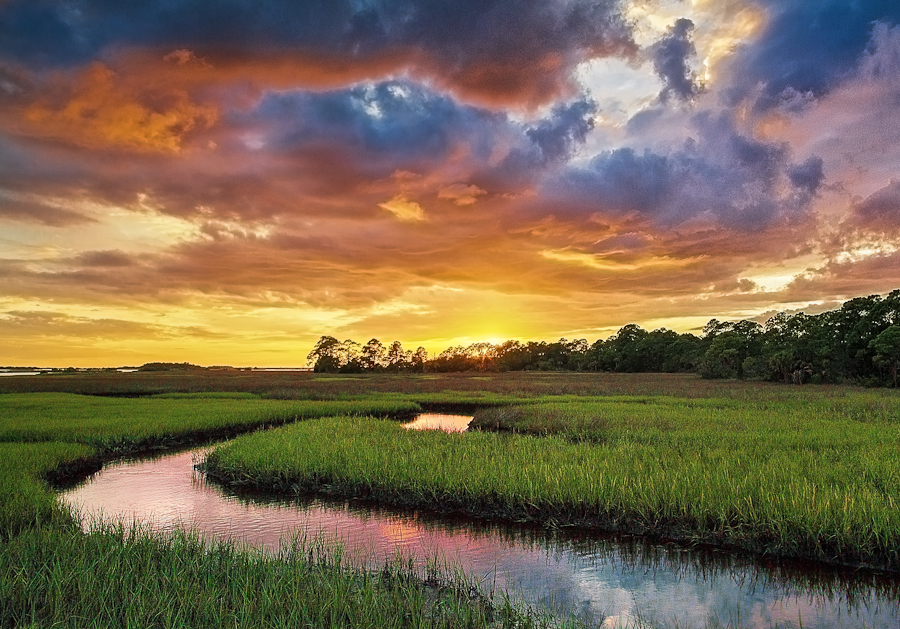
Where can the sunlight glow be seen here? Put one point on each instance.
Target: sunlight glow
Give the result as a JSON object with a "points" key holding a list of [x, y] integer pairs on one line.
{"points": [[598, 262]]}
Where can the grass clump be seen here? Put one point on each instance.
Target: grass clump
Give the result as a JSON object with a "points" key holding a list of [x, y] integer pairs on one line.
{"points": [[121, 425], [827, 492], [25, 500], [129, 578]]}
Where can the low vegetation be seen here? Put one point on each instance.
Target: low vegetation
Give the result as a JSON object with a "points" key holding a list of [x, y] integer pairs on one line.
{"points": [[25, 501], [819, 480], [121, 425], [793, 471], [131, 578], [53, 574]]}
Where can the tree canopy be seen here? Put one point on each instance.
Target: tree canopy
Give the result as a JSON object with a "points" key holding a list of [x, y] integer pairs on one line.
{"points": [[858, 342]]}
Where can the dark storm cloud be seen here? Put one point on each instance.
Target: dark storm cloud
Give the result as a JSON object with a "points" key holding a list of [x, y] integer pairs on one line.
{"points": [[550, 142], [809, 46], [671, 57], [567, 126], [741, 182], [510, 48], [807, 176], [396, 121]]}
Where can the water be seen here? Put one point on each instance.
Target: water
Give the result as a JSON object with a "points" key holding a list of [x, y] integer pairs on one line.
{"points": [[436, 421], [596, 577]]}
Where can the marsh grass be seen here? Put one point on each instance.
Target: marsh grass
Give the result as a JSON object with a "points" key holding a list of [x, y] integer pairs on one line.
{"points": [[121, 425], [25, 500], [825, 490], [61, 435], [310, 386], [53, 574], [807, 472], [127, 577]]}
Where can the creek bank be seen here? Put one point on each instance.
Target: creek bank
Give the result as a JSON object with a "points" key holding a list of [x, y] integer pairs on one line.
{"points": [[577, 518], [514, 479]]}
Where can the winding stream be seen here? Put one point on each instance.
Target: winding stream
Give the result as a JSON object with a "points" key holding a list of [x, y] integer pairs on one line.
{"points": [[605, 579]]}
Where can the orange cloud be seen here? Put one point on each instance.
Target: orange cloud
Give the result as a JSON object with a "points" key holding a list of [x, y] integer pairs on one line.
{"points": [[404, 209], [461, 194], [99, 111]]}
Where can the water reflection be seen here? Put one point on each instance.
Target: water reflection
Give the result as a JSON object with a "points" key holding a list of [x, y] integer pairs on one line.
{"points": [[436, 421], [596, 577]]}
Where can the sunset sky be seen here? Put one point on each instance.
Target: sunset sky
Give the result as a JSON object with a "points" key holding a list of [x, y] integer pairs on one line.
{"points": [[224, 182]]}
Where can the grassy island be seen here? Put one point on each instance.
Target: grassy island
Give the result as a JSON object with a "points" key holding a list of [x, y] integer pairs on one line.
{"points": [[815, 479]]}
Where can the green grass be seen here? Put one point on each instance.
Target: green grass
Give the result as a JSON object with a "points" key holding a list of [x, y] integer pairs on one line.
{"points": [[797, 485], [52, 574], [299, 385], [796, 471], [133, 579], [25, 500], [40, 432], [120, 425]]}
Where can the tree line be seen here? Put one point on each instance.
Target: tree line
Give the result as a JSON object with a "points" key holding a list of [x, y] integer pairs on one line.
{"points": [[859, 342]]}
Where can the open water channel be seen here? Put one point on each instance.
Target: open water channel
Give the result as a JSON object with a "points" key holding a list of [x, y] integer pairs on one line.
{"points": [[611, 581]]}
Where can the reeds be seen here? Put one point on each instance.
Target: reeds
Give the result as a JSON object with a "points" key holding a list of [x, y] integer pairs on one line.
{"points": [[121, 425], [25, 501], [788, 484], [121, 577], [53, 574]]}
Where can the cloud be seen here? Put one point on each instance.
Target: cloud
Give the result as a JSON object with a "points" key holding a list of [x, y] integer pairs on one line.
{"points": [[808, 46], [34, 212], [105, 259], [880, 211], [41, 324], [313, 154], [401, 122], [868, 275], [671, 57], [606, 263], [506, 51], [404, 209], [95, 111], [722, 174], [807, 176], [551, 141], [461, 194]]}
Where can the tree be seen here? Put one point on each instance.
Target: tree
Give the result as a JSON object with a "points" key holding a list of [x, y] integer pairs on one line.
{"points": [[887, 350], [729, 345], [326, 356], [373, 357], [481, 355], [397, 357], [418, 359]]}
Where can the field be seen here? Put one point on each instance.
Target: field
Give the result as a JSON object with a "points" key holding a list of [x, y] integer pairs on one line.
{"points": [[809, 472], [52, 574], [313, 386], [134, 579], [806, 473]]}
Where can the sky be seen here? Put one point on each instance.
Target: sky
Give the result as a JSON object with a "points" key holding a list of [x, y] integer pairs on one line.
{"points": [[224, 183]]}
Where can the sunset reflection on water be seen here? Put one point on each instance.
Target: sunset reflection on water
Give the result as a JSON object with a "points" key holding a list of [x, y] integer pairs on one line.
{"points": [[437, 421], [592, 576]]}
